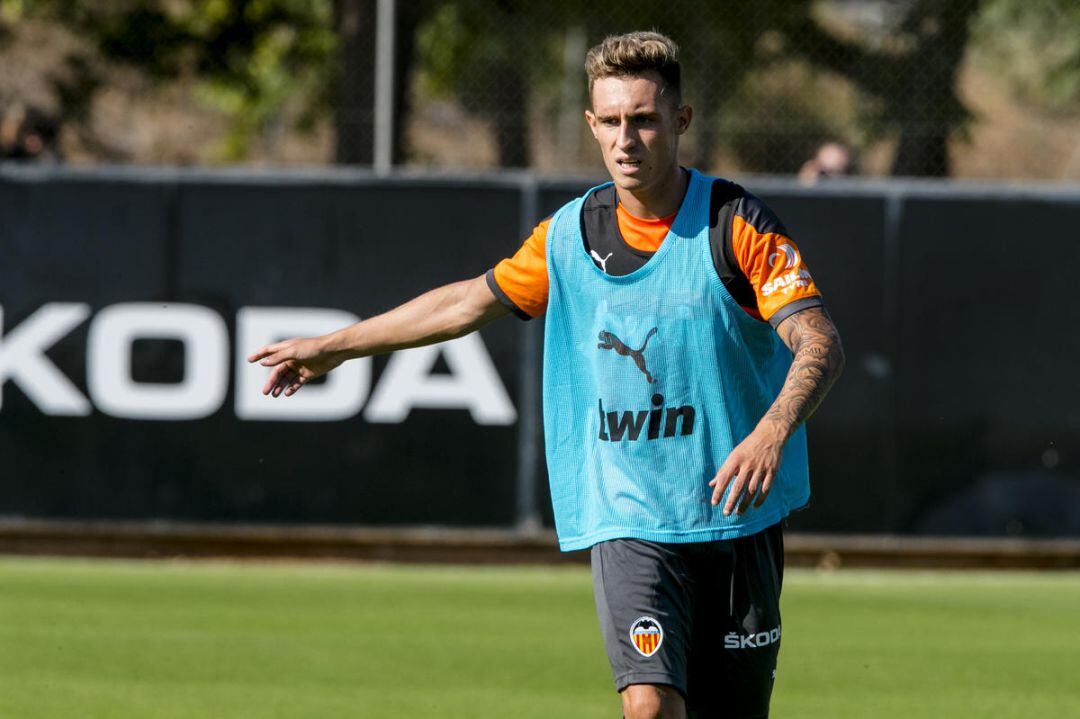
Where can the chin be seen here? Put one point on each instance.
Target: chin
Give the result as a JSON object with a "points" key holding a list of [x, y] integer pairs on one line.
{"points": [[626, 183]]}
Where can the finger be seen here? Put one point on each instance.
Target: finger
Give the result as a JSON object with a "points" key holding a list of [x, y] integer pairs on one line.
{"points": [[276, 358], [276, 377], [766, 487], [279, 388], [272, 379], [281, 383], [720, 482], [296, 384], [722, 486], [751, 490], [287, 382], [265, 351], [738, 486], [736, 491]]}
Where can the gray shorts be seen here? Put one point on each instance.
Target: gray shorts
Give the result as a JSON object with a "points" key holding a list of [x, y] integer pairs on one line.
{"points": [[702, 617]]}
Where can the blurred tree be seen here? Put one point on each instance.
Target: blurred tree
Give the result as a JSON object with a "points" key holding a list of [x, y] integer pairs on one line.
{"points": [[354, 21], [911, 75], [722, 45], [250, 57], [499, 56], [352, 76], [1034, 45], [265, 62], [487, 54]]}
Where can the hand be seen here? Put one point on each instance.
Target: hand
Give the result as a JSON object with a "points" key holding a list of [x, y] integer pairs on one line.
{"points": [[750, 470], [295, 362]]}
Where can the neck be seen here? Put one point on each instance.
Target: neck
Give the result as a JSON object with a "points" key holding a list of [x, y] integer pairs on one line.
{"points": [[660, 200]]}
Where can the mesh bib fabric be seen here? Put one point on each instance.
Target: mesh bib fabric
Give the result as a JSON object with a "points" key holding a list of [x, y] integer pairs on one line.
{"points": [[650, 380]]}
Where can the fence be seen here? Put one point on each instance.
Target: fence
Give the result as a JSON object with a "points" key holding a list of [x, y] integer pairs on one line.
{"points": [[909, 87], [128, 299]]}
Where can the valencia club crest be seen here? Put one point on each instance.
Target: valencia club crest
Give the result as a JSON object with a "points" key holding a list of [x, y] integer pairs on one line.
{"points": [[646, 635]]}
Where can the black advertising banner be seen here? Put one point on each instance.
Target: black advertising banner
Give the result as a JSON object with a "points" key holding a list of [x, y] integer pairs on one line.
{"points": [[129, 299], [988, 411], [128, 309]]}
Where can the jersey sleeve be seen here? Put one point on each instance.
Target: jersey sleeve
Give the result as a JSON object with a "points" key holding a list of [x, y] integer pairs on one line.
{"points": [[521, 282], [772, 263]]}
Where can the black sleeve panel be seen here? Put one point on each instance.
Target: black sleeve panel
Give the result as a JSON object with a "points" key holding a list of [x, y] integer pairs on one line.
{"points": [[503, 298], [599, 223], [794, 308], [759, 215], [601, 235], [726, 196]]}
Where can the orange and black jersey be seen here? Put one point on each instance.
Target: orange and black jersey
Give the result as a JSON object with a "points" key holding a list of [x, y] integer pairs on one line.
{"points": [[752, 252]]}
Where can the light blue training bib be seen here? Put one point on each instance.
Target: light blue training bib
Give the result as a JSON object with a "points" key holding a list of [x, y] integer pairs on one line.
{"points": [[650, 380]]}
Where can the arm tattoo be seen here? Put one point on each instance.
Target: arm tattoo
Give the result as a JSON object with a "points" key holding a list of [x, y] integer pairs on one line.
{"points": [[818, 361]]}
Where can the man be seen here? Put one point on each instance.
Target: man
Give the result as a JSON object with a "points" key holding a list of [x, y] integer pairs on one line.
{"points": [[833, 159], [27, 134], [673, 411]]}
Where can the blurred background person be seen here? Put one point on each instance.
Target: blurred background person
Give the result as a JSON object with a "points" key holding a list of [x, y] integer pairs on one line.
{"points": [[28, 135], [833, 159]]}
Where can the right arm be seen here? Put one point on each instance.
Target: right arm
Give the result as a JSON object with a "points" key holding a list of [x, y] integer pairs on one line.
{"points": [[445, 313]]}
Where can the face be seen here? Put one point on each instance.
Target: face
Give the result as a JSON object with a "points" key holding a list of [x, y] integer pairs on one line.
{"points": [[637, 128]]}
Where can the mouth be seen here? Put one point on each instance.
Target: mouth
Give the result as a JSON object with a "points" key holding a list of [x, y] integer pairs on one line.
{"points": [[628, 166]]}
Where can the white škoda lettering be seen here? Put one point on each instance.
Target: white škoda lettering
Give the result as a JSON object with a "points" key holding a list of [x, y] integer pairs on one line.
{"points": [[342, 394], [472, 384], [23, 360], [206, 359], [406, 383], [734, 640]]}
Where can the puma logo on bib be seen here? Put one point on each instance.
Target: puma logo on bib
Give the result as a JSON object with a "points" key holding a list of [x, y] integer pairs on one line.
{"points": [[608, 341]]}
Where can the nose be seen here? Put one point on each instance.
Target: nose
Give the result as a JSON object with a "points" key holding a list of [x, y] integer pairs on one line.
{"points": [[627, 136]]}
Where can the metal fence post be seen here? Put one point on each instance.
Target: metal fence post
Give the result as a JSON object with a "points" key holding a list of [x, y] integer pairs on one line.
{"points": [[528, 514], [894, 211], [384, 86]]}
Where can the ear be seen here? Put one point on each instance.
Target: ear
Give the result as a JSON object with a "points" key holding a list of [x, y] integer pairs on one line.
{"points": [[591, 119], [683, 116]]}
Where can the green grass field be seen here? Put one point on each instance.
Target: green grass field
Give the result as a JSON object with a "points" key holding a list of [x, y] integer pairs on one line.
{"points": [[114, 639]]}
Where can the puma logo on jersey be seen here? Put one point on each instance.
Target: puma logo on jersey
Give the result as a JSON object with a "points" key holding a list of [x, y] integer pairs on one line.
{"points": [[608, 341], [601, 261]]}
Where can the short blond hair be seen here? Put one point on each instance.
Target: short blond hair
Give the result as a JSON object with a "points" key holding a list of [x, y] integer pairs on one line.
{"points": [[636, 53]]}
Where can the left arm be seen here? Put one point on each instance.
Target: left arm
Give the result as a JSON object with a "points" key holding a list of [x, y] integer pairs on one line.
{"points": [[818, 361]]}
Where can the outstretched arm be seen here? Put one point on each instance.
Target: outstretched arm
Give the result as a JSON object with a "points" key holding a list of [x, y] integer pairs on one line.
{"points": [[444, 313], [818, 361]]}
